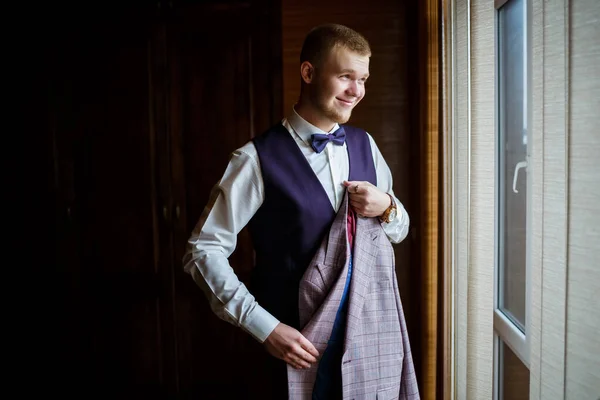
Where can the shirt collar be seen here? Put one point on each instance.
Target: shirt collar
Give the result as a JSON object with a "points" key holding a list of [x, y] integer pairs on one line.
{"points": [[305, 129]]}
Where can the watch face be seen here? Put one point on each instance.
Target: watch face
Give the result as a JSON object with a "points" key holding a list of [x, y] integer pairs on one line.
{"points": [[392, 215]]}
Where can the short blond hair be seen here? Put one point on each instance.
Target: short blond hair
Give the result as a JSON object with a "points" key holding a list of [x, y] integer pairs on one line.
{"points": [[323, 38]]}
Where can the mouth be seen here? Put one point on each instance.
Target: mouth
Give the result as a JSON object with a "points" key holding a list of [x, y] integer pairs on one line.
{"points": [[346, 103]]}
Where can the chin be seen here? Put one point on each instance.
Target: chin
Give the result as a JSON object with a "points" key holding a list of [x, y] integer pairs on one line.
{"points": [[343, 118], [340, 118]]}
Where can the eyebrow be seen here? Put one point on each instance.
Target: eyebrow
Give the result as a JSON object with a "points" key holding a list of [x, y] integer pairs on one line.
{"points": [[353, 71]]}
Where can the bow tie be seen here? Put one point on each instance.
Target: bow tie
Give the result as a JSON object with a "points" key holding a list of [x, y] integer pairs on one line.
{"points": [[319, 140]]}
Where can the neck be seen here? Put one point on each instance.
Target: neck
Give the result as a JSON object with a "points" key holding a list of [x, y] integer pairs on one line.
{"points": [[306, 110]]}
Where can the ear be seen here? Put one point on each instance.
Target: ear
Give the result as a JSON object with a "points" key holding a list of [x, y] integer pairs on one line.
{"points": [[307, 72]]}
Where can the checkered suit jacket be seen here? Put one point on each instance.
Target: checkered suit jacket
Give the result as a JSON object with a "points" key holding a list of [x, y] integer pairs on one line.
{"points": [[377, 362]]}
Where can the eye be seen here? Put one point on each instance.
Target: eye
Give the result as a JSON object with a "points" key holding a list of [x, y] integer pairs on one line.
{"points": [[347, 76]]}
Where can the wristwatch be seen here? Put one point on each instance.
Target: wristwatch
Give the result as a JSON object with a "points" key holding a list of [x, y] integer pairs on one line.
{"points": [[390, 214]]}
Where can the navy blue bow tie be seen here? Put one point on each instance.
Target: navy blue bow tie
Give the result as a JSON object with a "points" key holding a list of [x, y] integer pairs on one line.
{"points": [[319, 140]]}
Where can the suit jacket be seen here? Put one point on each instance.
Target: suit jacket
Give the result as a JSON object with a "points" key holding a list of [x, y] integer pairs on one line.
{"points": [[377, 362]]}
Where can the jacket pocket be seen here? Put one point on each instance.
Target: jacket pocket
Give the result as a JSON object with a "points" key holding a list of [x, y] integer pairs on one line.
{"points": [[388, 394]]}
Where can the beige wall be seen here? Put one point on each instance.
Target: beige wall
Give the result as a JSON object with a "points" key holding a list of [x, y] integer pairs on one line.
{"points": [[473, 153], [565, 176], [566, 346], [583, 283], [550, 196]]}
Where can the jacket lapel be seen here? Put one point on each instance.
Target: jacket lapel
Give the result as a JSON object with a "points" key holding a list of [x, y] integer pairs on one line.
{"points": [[366, 249], [338, 250], [326, 269]]}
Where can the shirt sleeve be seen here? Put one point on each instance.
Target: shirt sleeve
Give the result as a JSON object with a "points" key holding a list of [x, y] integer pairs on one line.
{"points": [[233, 202], [396, 230]]}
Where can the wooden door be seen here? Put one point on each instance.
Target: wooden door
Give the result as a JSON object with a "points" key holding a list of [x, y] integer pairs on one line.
{"points": [[106, 156], [225, 88]]}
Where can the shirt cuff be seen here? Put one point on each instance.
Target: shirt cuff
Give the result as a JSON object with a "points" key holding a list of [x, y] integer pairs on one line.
{"points": [[262, 324], [397, 229]]}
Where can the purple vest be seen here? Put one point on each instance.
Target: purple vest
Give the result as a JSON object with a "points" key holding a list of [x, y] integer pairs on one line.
{"points": [[295, 217]]}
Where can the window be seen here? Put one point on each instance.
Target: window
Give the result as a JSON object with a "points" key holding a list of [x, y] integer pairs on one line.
{"points": [[512, 217]]}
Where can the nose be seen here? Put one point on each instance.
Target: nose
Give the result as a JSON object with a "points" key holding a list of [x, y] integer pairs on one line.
{"points": [[354, 89]]}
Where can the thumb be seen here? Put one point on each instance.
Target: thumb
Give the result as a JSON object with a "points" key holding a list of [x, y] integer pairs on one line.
{"points": [[349, 183]]}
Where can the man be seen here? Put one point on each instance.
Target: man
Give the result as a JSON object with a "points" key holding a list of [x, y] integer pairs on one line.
{"points": [[287, 186]]}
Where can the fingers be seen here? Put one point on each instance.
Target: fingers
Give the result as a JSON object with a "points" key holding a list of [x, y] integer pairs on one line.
{"points": [[306, 357], [296, 361], [289, 345], [357, 203], [304, 351], [297, 357], [354, 189], [363, 210], [302, 354], [308, 346], [359, 207], [357, 188]]}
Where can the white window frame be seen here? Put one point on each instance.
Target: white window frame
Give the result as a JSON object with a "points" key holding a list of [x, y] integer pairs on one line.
{"points": [[506, 330]]}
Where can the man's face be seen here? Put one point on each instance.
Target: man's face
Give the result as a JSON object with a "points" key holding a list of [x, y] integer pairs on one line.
{"points": [[339, 84]]}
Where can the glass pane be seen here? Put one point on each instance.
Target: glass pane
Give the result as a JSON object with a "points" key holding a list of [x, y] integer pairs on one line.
{"points": [[514, 376], [512, 161]]}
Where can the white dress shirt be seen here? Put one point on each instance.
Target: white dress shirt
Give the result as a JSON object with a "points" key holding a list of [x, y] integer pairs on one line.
{"points": [[234, 201]]}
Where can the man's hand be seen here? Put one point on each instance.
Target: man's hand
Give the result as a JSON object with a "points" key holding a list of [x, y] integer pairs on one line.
{"points": [[288, 344], [366, 199]]}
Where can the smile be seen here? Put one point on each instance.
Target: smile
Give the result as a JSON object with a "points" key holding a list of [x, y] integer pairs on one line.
{"points": [[345, 102]]}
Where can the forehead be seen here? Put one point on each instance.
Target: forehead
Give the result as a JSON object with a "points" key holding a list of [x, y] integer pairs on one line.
{"points": [[341, 58]]}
